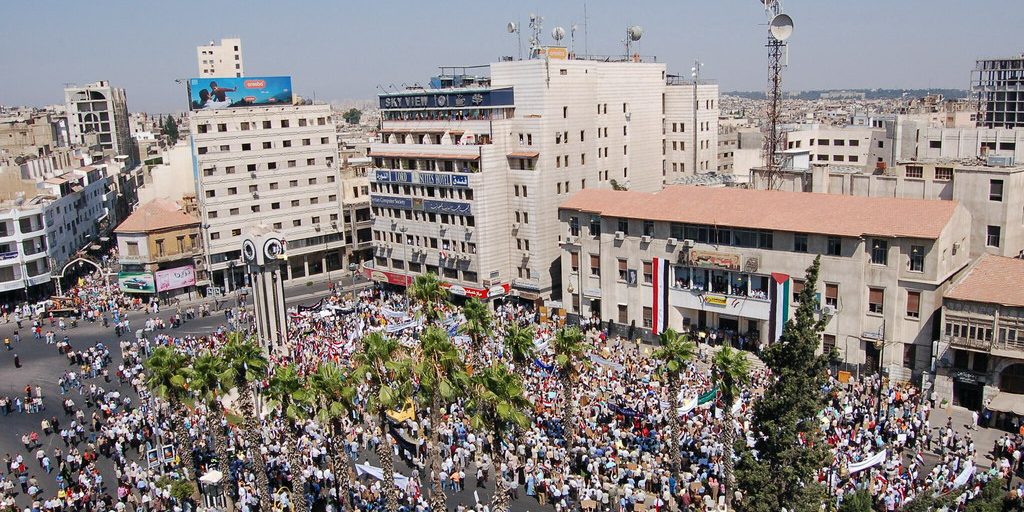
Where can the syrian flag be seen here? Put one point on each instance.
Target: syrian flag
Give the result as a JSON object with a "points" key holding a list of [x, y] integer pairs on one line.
{"points": [[918, 460], [660, 300], [779, 294]]}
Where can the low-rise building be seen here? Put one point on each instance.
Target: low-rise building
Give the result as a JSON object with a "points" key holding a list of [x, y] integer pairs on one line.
{"points": [[732, 261], [980, 357], [162, 239]]}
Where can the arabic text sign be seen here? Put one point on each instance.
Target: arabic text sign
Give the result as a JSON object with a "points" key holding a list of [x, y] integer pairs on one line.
{"points": [[174, 278]]}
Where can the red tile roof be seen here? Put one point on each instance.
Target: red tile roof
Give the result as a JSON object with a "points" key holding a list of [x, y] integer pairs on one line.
{"points": [[156, 215], [801, 212], [992, 279]]}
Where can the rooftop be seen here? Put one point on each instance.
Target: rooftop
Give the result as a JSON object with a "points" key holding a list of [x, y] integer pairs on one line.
{"points": [[156, 215], [991, 279], [802, 212]]}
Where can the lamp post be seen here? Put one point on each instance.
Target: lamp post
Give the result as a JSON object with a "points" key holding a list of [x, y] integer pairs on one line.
{"points": [[352, 267], [405, 266]]}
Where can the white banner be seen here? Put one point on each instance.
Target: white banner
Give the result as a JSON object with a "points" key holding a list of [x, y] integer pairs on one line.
{"points": [[174, 278], [401, 481], [964, 475], [873, 460], [402, 326]]}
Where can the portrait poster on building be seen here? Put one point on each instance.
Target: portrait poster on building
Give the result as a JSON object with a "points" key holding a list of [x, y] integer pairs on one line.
{"points": [[175, 278]]}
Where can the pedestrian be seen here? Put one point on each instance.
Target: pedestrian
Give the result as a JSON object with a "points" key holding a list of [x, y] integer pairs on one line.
{"points": [[17, 361], [974, 420]]}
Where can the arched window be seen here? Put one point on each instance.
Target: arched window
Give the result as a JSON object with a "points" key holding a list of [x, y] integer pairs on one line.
{"points": [[1011, 379]]}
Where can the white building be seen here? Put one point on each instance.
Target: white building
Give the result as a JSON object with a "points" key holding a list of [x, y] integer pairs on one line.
{"points": [[220, 60], [469, 172], [968, 143], [101, 111], [271, 165], [852, 145]]}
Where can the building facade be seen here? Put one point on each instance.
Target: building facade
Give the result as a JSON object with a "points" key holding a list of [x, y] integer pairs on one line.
{"points": [[691, 128], [220, 60], [712, 259], [970, 143], [468, 173], [999, 87], [101, 111], [853, 146], [980, 359], [160, 236], [275, 166]]}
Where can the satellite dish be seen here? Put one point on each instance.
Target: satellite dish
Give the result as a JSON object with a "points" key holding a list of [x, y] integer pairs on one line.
{"points": [[511, 27], [781, 27], [635, 32], [558, 33], [533, 17]]}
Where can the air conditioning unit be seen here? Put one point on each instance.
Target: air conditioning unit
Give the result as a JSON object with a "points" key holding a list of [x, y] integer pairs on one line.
{"points": [[672, 241], [572, 239], [688, 243], [316, 226], [645, 239], [619, 235], [252, 174], [515, 226], [828, 310], [255, 195]]}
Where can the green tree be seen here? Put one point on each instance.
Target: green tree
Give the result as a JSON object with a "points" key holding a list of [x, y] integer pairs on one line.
{"points": [[571, 359], [519, 345], [731, 370], [352, 116], [427, 291], [382, 364], [498, 406], [333, 399], [246, 364], [859, 501], [167, 378], [993, 498], [442, 379], [789, 442], [676, 351], [479, 326], [287, 391], [207, 380], [170, 128]]}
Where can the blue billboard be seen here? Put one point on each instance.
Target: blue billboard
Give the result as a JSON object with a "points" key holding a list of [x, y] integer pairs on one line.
{"points": [[231, 92]]}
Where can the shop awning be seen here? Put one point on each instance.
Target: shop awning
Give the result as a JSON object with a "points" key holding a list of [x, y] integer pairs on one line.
{"points": [[1007, 402]]}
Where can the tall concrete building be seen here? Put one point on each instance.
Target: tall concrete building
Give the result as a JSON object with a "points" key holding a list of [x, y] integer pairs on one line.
{"points": [[98, 114], [220, 60], [274, 166], [999, 87], [468, 173]]}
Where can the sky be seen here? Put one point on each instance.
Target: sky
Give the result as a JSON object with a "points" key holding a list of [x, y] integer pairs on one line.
{"points": [[342, 49]]}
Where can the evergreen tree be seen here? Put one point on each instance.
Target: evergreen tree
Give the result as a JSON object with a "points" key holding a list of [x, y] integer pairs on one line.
{"points": [[789, 447], [352, 116], [171, 129]]}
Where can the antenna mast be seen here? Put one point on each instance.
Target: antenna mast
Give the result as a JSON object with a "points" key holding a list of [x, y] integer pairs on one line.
{"points": [[780, 28], [536, 26]]}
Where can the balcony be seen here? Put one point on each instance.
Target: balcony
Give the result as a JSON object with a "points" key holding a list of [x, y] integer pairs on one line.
{"points": [[978, 345]]}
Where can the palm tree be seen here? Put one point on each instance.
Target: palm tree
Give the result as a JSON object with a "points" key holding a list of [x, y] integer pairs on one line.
{"points": [[731, 371], [442, 378], [168, 373], [207, 381], [426, 290], [479, 326], [246, 365], [333, 398], [384, 366], [519, 344], [676, 352], [570, 348], [498, 405], [288, 392]]}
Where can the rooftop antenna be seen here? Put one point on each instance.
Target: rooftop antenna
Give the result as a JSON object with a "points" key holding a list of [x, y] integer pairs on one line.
{"points": [[513, 28], [633, 35], [780, 29], [586, 24], [572, 38], [536, 26], [558, 33]]}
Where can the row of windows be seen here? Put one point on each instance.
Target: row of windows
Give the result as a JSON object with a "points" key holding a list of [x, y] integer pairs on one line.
{"points": [[267, 144], [245, 126], [425, 241], [415, 266], [255, 208], [422, 191], [296, 223], [274, 185], [442, 218], [439, 165], [838, 158]]}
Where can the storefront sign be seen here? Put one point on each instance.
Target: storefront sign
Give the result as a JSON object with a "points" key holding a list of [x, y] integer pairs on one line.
{"points": [[967, 377], [708, 259], [477, 293], [174, 278], [383, 276], [391, 202], [427, 205], [382, 176], [718, 300], [464, 99], [448, 207]]}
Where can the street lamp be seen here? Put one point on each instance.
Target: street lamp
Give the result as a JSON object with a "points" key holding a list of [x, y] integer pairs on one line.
{"points": [[352, 267], [405, 266]]}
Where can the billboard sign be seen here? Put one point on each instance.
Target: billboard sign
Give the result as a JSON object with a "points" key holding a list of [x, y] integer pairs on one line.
{"points": [[232, 92], [136, 282], [174, 278], [459, 99]]}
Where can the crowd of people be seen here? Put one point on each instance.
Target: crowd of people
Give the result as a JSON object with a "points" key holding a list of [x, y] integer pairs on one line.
{"points": [[105, 449]]}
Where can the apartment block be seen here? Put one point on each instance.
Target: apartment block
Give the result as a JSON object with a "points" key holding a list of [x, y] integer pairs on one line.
{"points": [[220, 60]]}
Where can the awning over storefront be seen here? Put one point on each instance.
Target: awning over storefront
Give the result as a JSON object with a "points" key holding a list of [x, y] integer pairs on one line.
{"points": [[1007, 402]]}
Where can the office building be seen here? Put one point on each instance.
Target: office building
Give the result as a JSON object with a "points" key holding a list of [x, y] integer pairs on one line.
{"points": [[220, 60], [998, 85], [468, 172], [273, 166], [733, 260], [98, 115], [970, 143], [849, 146]]}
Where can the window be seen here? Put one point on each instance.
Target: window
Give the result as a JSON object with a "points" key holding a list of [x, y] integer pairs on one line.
{"points": [[295, 203], [823, 142], [992, 236], [915, 171], [800, 242], [623, 314], [649, 227], [917, 258], [798, 288], [828, 343], [246, 147], [595, 265], [623, 270], [879, 252], [595, 227], [236, 232], [648, 317], [133, 248], [835, 246], [574, 261], [574, 225], [677, 231], [266, 125], [876, 300], [943, 173], [995, 190], [284, 123], [565, 112], [648, 272], [914, 304], [832, 295], [293, 183], [933, 144], [232, 191], [839, 142], [233, 211], [623, 225], [215, 236], [268, 145], [909, 356], [854, 142], [297, 222]]}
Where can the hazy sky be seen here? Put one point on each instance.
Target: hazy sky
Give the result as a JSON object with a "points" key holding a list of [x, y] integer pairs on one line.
{"points": [[342, 49]]}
